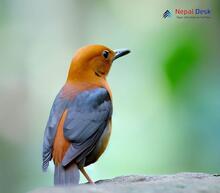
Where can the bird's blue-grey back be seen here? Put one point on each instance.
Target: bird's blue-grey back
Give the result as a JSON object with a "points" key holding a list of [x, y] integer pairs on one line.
{"points": [[88, 115]]}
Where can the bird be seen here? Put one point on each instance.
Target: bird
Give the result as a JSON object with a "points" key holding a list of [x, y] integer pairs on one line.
{"points": [[80, 121]]}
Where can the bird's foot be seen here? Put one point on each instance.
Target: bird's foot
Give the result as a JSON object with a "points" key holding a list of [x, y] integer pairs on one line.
{"points": [[86, 176]]}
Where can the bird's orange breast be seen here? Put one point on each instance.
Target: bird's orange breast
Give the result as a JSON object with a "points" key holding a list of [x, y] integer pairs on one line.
{"points": [[103, 142]]}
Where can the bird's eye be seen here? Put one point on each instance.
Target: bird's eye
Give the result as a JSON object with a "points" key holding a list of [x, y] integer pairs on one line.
{"points": [[105, 54]]}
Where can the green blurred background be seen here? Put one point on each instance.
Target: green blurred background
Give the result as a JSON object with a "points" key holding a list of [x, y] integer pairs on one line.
{"points": [[166, 92]]}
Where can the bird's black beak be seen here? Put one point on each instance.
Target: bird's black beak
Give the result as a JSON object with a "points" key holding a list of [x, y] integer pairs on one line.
{"points": [[120, 52]]}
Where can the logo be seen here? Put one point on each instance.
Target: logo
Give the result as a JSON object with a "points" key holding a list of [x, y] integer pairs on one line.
{"points": [[166, 14], [193, 13]]}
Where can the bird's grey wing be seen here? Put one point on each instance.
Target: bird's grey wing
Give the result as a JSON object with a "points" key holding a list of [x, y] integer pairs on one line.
{"points": [[56, 112], [86, 120]]}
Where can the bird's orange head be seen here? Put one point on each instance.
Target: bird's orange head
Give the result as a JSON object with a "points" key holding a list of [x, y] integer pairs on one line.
{"points": [[93, 62]]}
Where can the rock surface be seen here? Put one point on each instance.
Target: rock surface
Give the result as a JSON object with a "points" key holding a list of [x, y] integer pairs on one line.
{"points": [[178, 183]]}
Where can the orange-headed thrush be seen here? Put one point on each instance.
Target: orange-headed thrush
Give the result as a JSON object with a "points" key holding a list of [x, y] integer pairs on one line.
{"points": [[79, 124]]}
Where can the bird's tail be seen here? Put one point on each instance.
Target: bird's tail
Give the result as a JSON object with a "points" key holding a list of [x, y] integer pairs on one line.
{"points": [[66, 175]]}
